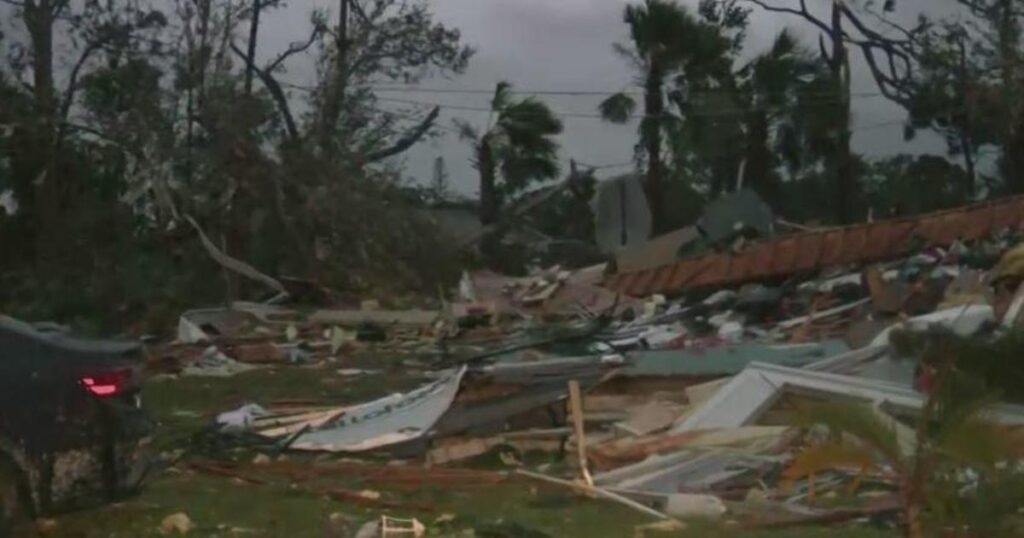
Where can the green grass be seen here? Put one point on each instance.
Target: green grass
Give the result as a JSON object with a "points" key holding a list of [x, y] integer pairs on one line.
{"points": [[216, 505], [224, 507]]}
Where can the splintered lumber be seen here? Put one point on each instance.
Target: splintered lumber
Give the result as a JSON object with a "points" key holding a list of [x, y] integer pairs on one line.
{"points": [[596, 491], [280, 426], [576, 407]]}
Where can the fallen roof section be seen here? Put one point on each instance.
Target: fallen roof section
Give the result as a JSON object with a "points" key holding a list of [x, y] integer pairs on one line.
{"points": [[742, 400], [389, 420], [811, 251]]}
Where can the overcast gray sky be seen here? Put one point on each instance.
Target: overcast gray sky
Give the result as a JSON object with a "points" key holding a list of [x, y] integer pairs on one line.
{"points": [[566, 45]]}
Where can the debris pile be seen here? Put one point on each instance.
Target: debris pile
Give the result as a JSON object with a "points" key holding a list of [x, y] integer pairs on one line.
{"points": [[676, 391]]}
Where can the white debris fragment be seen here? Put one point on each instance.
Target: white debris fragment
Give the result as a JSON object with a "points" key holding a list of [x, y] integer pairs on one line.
{"points": [[241, 418]]}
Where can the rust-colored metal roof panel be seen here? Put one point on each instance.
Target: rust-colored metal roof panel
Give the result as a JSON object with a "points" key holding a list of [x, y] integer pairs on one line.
{"points": [[853, 244], [785, 256], [809, 251], [744, 265]]}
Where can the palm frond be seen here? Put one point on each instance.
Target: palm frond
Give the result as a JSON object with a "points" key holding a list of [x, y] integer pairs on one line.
{"points": [[981, 443], [466, 131], [617, 108], [630, 54], [823, 457], [502, 95], [519, 168], [859, 421], [529, 117], [660, 31], [785, 44]]}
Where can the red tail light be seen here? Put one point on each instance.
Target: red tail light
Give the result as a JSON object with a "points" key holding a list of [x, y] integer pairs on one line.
{"points": [[106, 383]]}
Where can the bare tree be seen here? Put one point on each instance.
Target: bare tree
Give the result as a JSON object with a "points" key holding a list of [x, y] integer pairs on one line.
{"points": [[841, 30], [254, 28]]}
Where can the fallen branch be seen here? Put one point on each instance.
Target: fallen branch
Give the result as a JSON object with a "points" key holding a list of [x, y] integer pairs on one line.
{"points": [[233, 264], [408, 140], [603, 493]]}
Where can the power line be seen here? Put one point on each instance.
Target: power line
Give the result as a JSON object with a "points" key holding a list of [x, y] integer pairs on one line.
{"points": [[468, 108], [486, 109], [877, 125], [419, 89], [416, 89], [603, 166], [570, 93]]}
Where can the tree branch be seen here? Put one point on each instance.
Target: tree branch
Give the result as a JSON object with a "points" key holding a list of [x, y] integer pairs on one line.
{"points": [[234, 264], [357, 8], [806, 14], [134, 151], [824, 51], [13, 3], [868, 32], [899, 53], [294, 49], [408, 140], [889, 87], [276, 92], [802, 12], [69, 92], [58, 6], [911, 35]]}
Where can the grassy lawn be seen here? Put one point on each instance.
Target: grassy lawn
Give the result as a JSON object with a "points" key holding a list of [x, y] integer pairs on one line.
{"points": [[278, 507]]}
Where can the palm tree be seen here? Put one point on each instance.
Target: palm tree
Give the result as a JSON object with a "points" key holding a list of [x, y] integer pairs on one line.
{"points": [[518, 146], [665, 39], [953, 438], [777, 90]]}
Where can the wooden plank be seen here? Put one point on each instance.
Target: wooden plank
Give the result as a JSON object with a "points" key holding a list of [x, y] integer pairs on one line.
{"points": [[576, 408], [596, 491]]}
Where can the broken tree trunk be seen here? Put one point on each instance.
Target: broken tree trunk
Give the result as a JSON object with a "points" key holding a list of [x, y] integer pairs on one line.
{"points": [[232, 264]]}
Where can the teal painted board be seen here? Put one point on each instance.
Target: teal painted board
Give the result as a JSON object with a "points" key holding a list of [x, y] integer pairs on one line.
{"points": [[727, 359]]}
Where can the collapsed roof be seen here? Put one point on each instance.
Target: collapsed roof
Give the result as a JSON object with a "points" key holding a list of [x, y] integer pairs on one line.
{"points": [[821, 249]]}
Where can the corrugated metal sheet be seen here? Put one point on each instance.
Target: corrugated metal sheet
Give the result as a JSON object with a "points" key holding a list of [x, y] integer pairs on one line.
{"points": [[809, 251]]}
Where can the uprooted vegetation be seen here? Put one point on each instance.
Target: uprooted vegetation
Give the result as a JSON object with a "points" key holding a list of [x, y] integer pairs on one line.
{"points": [[164, 119]]}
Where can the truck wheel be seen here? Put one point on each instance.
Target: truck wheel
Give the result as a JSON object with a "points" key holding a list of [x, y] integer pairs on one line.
{"points": [[14, 516]]}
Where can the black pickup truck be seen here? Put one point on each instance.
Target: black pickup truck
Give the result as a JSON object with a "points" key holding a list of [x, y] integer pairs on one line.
{"points": [[72, 432]]}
